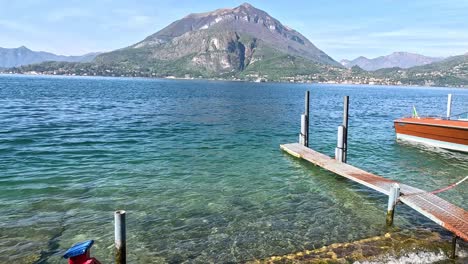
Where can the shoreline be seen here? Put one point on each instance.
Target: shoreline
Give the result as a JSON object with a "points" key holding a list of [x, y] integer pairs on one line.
{"points": [[231, 80], [402, 246]]}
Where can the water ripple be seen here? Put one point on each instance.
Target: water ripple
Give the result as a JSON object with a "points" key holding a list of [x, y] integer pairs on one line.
{"points": [[197, 166]]}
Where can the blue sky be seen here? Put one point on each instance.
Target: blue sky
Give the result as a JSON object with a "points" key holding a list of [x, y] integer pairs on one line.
{"points": [[343, 29]]}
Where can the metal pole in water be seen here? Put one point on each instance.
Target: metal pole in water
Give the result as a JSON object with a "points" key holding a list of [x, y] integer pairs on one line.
{"points": [[302, 135], [306, 112], [392, 201], [120, 237], [449, 106], [339, 154], [345, 124], [454, 247]]}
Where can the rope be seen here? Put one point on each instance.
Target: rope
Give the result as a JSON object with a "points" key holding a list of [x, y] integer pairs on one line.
{"points": [[451, 186]]}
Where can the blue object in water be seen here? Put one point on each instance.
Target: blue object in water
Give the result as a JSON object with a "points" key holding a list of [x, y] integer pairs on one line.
{"points": [[78, 249]]}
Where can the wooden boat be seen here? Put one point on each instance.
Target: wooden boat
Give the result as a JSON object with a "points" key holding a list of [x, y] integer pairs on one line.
{"points": [[437, 132], [448, 133]]}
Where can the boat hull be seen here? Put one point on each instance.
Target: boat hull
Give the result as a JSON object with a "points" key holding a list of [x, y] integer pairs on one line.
{"points": [[447, 134]]}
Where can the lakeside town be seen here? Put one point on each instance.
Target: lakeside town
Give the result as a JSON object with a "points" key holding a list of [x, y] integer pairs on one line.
{"points": [[333, 75]]}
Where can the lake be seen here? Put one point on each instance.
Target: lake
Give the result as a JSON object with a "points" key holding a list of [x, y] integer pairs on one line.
{"points": [[197, 166]]}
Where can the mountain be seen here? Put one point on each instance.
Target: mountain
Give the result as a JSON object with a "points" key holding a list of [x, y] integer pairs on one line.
{"points": [[23, 56], [241, 40], [450, 71], [245, 43], [397, 59]]}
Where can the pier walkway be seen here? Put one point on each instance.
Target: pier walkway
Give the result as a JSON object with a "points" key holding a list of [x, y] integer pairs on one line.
{"points": [[449, 216]]}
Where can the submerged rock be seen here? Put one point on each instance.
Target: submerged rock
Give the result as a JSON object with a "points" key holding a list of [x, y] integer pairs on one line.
{"points": [[399, 247]]}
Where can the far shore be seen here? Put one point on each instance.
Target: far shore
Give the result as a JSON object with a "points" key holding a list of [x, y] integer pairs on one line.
{"points": [[233, 80]]}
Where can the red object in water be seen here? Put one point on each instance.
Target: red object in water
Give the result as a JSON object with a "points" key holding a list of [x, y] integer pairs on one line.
{"points": [[80, 253], [83, 259]]}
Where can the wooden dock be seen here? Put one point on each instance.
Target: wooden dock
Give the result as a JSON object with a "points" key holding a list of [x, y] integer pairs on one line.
{"points": [[449, 216]]}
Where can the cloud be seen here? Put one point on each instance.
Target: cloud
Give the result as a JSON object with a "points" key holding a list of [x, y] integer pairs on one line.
{"points": [[128, 19], [8, 24], [393, 33], [139, 21], [16, 27], [423, 34], [67, 13]]}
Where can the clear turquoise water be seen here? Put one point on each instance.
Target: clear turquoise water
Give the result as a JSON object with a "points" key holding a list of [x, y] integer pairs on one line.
{"points": [[197, 166]]}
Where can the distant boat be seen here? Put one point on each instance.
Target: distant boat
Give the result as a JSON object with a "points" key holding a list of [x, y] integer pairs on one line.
{"points": [[448, 133]]}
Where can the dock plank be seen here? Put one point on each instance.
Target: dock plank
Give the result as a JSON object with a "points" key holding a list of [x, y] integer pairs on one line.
{"points": [[449, 216]]}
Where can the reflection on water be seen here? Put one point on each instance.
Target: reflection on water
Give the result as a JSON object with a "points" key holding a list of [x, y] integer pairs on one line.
{"points": [[198, 168]]}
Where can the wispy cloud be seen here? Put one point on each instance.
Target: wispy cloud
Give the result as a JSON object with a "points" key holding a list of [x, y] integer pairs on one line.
{"points": [[15, 25], [67, 13], [127, 19], [12, 27], [423, 34], [139, 21]]}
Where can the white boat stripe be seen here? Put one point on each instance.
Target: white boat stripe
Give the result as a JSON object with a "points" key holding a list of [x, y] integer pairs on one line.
{"points": [[433, 142]]}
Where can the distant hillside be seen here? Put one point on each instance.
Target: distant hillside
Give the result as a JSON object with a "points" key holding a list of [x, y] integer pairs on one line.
{"points": [[23, 56], [453, 71], [397, 59]]}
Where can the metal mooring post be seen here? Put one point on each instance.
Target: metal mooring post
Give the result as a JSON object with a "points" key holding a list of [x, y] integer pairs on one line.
{"points": [[392, 201], [120, 237], [302, 139], [454, 247], [345, 124], [306, 112], [304, 135], [339, 152], [449, 106]]}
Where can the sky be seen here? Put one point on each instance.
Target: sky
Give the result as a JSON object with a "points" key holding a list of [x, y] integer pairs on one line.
{"points": [[343, 29]]}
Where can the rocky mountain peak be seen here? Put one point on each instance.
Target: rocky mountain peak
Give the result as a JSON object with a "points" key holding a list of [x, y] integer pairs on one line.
{"points": [[245, 13], [246, 5], [401, 59], [400, 53], [222, 41], [245, 8], [248, 8], [23, 48]]}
